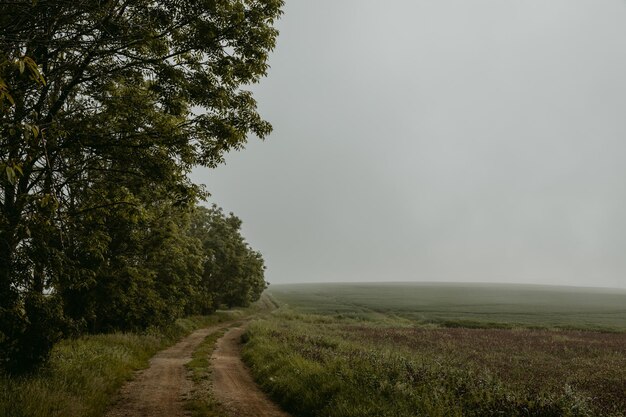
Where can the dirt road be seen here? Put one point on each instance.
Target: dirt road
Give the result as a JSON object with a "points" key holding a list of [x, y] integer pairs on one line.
{"points": [[232, 384], [159, 390]]}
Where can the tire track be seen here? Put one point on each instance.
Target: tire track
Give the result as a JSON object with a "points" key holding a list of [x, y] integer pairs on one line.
{"points": [[160, 389], [233, 385]]}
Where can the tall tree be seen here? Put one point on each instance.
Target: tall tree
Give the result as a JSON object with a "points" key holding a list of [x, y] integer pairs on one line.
{"points": [[233, 273], [115, 95]]}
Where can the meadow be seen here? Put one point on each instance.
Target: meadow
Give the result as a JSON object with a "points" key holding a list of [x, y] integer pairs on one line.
{"points": [[466, 305], [348, 350]]}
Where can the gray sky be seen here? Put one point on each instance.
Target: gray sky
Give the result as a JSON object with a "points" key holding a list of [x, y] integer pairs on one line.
{"points": [[439, 140]]}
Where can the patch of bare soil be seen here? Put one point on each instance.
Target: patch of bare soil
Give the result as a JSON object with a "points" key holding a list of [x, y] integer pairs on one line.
{"points": [[232, 383], [159, 390]]}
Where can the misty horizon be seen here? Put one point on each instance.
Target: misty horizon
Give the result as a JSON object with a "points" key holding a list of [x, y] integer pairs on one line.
{"points": [[439, 142]]}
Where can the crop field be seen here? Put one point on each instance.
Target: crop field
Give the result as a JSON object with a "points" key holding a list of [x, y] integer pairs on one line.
{"points": [[465, 305], [442, 350]]}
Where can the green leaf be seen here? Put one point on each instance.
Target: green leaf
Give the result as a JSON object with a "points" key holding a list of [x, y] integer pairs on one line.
{"points": [[10, 175]]}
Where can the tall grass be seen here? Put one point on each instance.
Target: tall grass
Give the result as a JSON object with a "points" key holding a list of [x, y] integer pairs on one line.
{"points": [[316, 367], [83, 374]]}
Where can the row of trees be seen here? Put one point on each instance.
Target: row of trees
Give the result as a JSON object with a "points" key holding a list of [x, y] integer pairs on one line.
{"points": [[105, 107]]}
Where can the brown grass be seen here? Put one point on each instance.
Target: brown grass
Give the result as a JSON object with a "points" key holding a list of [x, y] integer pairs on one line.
{"points": [[533, 361]]}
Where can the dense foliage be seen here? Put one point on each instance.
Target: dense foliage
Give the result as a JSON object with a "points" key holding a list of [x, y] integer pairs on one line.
{"points": [[105, 107]]}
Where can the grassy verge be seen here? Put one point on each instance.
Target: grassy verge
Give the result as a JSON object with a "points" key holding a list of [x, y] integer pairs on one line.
{"points": [[318, 366], [84, 374]]}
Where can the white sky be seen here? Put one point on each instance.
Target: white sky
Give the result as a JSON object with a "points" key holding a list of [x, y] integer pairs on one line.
{"points": [[439, 140]]}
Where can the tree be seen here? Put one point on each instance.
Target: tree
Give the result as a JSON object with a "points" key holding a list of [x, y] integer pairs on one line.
{"points": [[101, 101], [146, 267], [233, 273]]}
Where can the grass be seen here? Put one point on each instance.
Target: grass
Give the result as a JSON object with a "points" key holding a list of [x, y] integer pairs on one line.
{"points": [[428, 350], [84, 374], [202, 403], [464, 305]]}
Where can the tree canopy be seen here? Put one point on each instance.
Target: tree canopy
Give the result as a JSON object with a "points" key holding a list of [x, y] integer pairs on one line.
{"points": [[105, 106]]}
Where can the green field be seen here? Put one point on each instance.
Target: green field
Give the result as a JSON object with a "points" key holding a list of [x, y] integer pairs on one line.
{"points": [[361, 350], [464, 304]]}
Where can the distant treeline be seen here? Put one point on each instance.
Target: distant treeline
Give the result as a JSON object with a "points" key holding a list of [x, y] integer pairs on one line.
{"points": [[105, 107]]}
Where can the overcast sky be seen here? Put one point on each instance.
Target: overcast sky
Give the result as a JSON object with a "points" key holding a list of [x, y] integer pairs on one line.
{"points": [[439, 140]]}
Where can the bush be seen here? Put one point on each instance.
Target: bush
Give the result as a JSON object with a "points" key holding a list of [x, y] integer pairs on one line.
{"points": [[29, 332]]}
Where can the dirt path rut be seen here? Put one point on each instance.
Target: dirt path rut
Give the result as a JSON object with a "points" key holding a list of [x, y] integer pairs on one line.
{"points": [[232, 384], [159, 390]]}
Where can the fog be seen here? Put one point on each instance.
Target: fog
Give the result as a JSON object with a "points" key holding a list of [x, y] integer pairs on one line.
{"points": [[439, 140]]}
